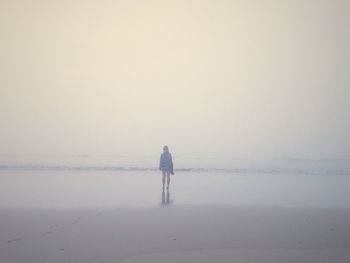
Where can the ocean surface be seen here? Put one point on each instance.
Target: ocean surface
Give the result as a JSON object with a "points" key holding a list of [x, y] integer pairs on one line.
{"points": [[44, 181], [182, 164]]}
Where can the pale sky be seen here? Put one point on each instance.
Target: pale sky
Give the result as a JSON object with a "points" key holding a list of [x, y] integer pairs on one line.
{"points": [[208, 78]]}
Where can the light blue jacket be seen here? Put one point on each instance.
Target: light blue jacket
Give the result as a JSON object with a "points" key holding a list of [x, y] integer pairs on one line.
{"points": [[166, 162]]}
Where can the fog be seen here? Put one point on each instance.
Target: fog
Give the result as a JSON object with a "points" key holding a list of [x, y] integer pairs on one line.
{"points": [[209, 78]]}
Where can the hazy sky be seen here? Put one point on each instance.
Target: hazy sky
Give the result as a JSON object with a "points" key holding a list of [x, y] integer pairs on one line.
{"points": [[213, 77]]}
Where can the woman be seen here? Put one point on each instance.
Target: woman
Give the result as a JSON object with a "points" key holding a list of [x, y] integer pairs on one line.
{"points": [[166, 165]]}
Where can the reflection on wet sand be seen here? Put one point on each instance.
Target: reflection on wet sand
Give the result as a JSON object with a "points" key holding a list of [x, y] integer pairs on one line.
{"points": [[166, 198]]}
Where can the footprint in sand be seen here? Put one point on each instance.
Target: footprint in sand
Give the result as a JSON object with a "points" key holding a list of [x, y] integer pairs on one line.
{"points": [[53, 226], [93, 258], [47, 233], [13, 240], [77, 220]]}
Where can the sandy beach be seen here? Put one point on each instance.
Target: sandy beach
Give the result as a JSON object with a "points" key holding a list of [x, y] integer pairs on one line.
{"points": [[99, 217], [175, 234]]}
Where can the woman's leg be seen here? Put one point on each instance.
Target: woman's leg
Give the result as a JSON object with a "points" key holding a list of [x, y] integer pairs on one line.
{"points": [[163, 181], [168, 178]]}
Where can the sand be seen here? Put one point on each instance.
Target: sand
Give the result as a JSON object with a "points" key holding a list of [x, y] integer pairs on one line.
{"points": [[112, 217], [188, 233]]}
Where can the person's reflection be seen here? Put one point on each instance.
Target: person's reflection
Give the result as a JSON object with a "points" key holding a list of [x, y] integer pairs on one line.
{"points": [[166, 199]]}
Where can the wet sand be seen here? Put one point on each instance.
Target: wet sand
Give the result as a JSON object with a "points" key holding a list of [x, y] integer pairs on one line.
{"points": [[103, 217], [188, 233]]}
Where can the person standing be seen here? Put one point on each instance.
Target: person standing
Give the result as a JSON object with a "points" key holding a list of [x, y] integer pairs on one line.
{"points": [[166, 165]]}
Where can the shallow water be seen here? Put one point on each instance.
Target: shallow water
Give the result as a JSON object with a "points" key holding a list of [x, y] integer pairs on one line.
{"points": [[143, 189]]}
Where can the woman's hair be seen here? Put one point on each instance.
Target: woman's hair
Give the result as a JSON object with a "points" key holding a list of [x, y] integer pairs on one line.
{"points": [[165, 148]]}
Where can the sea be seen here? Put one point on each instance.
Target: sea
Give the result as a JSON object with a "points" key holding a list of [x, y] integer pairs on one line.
{"points": [[52, 181]]}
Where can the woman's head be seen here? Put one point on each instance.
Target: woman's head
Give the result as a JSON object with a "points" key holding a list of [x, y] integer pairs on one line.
{"points": [[165, 148]]}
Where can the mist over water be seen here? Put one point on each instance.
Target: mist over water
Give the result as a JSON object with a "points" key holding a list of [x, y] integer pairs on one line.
{"points": [[122, 181], [250, 97], [210, 79], [183, 164]]}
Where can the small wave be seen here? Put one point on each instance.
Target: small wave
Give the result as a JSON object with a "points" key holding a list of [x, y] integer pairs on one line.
{"points": [[72, 168], [148, 169]]}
